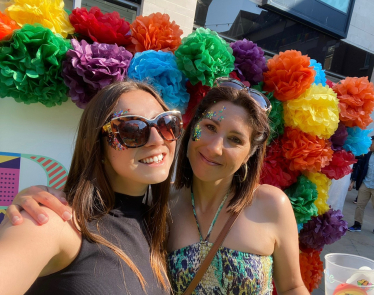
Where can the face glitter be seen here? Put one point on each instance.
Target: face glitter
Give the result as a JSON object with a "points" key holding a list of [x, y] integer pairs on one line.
{"points": [[206, 115]]}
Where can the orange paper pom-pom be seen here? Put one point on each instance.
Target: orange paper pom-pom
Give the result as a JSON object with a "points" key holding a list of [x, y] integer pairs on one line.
{"points": [[311, 268], [356, 101], [289, 75], [7, 25], [305, 151], [155, 32]]}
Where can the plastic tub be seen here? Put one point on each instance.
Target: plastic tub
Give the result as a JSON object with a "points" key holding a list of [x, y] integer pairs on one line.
{"points": [[344, 276]]}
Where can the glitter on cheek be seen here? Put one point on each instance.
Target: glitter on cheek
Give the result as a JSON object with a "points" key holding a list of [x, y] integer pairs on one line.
{"points": [[196, 132]]}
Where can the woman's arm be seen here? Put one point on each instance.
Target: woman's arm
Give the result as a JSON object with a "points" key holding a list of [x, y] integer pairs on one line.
{"points": [[287, 274], [30, 199], [28, 250]]}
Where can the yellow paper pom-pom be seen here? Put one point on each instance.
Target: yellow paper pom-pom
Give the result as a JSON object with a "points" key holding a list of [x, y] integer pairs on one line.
{"points": [[49, 13], [315, 112], [323, 184]]}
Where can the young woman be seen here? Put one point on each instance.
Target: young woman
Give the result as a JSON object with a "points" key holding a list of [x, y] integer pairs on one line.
{"points": [[219, 163], [114, 245]]}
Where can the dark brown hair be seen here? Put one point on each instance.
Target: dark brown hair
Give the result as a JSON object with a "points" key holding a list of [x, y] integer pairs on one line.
{"points": [[88, 188], [257, 119]]}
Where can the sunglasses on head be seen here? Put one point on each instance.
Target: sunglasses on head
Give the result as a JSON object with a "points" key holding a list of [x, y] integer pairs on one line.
{"points": [[133, 131], [257, 96]]}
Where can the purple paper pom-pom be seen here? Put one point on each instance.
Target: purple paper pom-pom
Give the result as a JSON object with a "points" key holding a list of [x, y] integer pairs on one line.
{"points": [[323, 230], [339, 137], [90, 67], [249, 61]]}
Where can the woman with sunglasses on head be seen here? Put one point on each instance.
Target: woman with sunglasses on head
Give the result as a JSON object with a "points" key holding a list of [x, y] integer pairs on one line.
{"points": [[218, 169], [115, 242]]}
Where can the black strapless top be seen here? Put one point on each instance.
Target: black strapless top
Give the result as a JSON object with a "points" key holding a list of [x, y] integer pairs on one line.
{"points": [[97, 270]]}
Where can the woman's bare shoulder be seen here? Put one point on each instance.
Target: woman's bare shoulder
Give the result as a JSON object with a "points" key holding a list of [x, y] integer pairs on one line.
{"points": [[176, 197]]}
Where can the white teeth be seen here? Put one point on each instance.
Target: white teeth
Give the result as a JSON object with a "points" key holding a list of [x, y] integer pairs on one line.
{"points": [[150, 160], [160, 157], [154, 159]]}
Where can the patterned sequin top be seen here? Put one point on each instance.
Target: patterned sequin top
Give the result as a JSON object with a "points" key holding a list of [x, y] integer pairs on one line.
{"points": [[231, 271]]}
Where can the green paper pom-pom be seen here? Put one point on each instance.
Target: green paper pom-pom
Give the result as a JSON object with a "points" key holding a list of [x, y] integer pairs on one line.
{"points": [[302, 195], [276, 120], [204, 56], [31, 65]]}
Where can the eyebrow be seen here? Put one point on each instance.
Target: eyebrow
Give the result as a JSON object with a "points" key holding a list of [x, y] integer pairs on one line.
{"points": [[232, 131]]}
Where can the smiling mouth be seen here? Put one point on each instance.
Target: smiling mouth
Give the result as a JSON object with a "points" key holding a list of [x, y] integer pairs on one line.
{"points": [[210, 162], [154, 159]]}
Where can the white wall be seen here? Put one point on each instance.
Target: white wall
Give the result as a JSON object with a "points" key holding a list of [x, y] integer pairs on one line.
{"points": [[180, 11]]}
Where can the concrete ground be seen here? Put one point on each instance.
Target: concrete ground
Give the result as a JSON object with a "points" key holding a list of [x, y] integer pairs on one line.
{"points": [[357, 243]]}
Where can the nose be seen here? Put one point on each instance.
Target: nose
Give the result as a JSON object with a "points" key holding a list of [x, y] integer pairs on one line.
{"points": [[154, 138], [215, 146]]}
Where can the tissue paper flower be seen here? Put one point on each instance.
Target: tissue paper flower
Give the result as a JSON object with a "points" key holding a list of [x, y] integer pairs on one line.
{"points": [[305, 151], [235, 76], [160, 70], [197, 93], [339, 137], [311, 268], [7, 25], [156, 32], [320, 74], [330, 83], [49, 13], [323, 184], [323, 230], [204, 56], [289, 75], [302, 195], [275, 169], [356, 96], [249, 60], [358, 141], [88, 68], [31, 65], [339, 165], [315, 111], [107, 28]]}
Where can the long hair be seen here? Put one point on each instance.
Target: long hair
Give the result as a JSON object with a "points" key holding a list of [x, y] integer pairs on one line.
{"points": [[257, 120], [88, 188]]}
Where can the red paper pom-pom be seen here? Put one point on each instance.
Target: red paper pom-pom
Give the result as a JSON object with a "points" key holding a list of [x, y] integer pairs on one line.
{"points": [[276, 169], [197, 93], [356, 96], [235, 76], [305, 151], [107, 28], [339, 165], [311, 268], [289, 75], [7, 25], [330, 83], [155, 32]]}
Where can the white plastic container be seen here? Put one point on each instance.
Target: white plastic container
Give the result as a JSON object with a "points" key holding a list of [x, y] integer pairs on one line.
{"points": [[348, 274]]}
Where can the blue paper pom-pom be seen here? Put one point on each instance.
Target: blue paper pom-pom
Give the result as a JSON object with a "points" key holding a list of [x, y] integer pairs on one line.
{"points": [[160, 69], [300, 227], [320, 74], [358, 141]]}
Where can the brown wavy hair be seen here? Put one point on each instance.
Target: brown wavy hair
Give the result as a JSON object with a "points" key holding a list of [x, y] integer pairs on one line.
{"points": [[88, 188], [257, 119]]}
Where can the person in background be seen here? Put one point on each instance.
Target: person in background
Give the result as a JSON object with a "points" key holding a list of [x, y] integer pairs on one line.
{"points": [[363, 178], [357, 167]]}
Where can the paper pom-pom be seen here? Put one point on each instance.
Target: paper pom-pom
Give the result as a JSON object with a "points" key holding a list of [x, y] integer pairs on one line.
{"points": [[315, 111], [356, 96], [204, 56], [289, 75], [155, 32], [235, 76], [50, 14], [339, 137], [323, 184], [323, 230], [107, 28], [160, 69], [275, 169], [31, 65], [300, 227], [305, 151], [89, 68], [320, 74], [7, 25], [249, 60], [330, 83], [339, 165], [197, 93], [358, 141], [311, 268], [302, 195]]}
